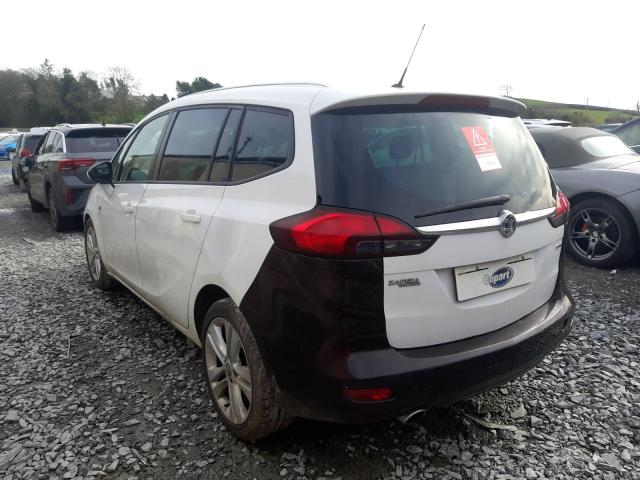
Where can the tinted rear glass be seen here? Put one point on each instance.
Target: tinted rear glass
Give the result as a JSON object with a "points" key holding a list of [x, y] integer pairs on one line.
{"points": [[31, 141], [95, 140], [408, 164]]}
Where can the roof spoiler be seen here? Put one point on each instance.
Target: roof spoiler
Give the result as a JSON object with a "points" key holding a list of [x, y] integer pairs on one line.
{"points": [[501, 106]]}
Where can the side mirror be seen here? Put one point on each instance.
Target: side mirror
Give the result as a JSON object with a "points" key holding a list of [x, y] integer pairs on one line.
{"points": [[101, 173]]}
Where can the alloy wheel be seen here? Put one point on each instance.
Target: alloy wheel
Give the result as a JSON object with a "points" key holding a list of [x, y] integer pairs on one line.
{"points": [[594, 234], [93, 254], [228, 370]]}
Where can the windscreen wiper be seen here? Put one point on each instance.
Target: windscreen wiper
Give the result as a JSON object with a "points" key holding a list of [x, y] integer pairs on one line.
{"points": [[480, 202]]}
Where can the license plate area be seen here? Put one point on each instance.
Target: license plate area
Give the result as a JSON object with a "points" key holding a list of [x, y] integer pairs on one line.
{"points": [[485, 278]]}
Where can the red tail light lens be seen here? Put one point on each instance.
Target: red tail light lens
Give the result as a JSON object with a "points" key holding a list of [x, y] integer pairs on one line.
{"points": [[68, 164], [368, 394], [24, 152], [324, 232], [561, 215]]}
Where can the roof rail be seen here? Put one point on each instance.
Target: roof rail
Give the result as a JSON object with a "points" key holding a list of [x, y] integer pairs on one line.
{"points": [[276, 84]]}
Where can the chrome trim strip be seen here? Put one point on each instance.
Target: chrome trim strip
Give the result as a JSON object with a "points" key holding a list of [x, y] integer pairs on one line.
{"points": [[485, 224]]}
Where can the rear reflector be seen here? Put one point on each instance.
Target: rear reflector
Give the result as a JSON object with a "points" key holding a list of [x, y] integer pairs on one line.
{"points": [[561, 215], [352, 234], [68, 164], [368, 394]]}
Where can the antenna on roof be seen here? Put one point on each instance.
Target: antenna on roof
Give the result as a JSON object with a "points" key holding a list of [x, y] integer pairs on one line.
{"points": [[399, 84]]}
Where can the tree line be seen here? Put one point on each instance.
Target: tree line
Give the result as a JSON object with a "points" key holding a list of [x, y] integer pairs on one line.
{"points": [[45, 97]]}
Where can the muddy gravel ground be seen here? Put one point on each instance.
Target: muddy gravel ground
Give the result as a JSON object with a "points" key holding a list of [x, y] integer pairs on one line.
{"points": [[97, 385]]}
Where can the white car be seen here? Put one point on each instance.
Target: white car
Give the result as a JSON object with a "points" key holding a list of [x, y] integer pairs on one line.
{"points": [[339, 256]]}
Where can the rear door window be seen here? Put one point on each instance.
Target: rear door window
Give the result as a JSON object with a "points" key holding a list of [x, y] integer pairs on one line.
{"points": [[409, 164], [189, 152], [137, 163], [265, 143]]}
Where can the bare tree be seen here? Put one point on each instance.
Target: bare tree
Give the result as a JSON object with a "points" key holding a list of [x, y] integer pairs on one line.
{"points": [[638, 105], [506, 90]]}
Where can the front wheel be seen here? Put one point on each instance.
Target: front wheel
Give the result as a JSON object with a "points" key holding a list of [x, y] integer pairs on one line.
{"points": [[600, 233], [241, 388]]}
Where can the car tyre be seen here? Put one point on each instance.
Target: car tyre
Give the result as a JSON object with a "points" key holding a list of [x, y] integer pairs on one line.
{"points": [[14, 178], [238, 374], [35, 205], [56, 219], [615, 240], [98, 273]]}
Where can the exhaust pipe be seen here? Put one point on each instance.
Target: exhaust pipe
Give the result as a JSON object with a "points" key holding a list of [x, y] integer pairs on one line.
{"points": [[408, 417]]}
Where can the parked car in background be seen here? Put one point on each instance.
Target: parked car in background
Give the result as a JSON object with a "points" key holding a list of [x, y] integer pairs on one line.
{"points": [[608, 127], [601, 177], [57, 177], [339, 256], [630, 133], [8, 146], [25, 146], [545, 122]]}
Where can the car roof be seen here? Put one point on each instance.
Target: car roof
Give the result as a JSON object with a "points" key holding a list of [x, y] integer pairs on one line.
{"points": [[317, 98]]}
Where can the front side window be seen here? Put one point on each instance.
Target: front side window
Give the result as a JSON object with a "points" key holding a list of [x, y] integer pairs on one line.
{"points": [[603, 146], [189, 151], [265, 143], [138, 161]]}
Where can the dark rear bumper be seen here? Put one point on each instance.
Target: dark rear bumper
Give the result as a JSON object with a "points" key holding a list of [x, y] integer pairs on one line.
{"points": [[441, 374], [320, 327]]}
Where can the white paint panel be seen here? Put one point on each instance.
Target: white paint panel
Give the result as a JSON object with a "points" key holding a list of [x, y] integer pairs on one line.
{"points": [[430, 314]]}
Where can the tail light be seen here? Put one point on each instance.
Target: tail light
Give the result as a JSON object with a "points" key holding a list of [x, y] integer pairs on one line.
{"points": [[561, 215], [333, 233], [24, 152], [68, 164]]}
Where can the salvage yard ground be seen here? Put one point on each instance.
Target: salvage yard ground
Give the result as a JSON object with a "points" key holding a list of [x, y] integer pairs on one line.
{"points": [[95, 385]]}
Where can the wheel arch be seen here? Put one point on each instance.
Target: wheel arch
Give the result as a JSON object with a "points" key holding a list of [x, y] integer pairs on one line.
{"points": [[207, 296], [591, 195]]}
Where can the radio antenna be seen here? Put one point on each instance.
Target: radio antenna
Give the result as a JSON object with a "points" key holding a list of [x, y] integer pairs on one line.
{"points": [[399, 84]]}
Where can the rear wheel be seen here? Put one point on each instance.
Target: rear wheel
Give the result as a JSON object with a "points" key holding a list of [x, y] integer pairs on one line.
{"points": [[239, 384], [600, 233], [56, 219], [97, 271], [13, 177]]}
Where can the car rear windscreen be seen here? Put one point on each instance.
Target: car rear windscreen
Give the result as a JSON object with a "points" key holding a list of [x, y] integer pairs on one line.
{"points": [[95, 140], [411, 164], [31, 141], [605, 146]]}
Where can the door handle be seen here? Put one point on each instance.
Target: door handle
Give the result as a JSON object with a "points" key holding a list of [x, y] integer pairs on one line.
{"points": [[128, 209], [190, 216]]}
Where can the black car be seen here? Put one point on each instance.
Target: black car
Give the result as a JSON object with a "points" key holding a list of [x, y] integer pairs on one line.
{"points": [[25, 145], [630, 133], [57, 177]]}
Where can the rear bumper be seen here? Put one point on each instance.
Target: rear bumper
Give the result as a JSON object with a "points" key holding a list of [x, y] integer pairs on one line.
{"points": [[320, 328], [437, 375], [71, 195]]}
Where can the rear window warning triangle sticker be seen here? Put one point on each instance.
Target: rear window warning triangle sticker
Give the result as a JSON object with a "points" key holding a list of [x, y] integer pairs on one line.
{"points": [[482, 148]]}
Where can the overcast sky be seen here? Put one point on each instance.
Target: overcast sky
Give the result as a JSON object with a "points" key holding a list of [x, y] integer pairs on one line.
{"points": [[553, 50]]}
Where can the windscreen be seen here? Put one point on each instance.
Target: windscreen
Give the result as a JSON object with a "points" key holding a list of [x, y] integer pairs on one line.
{"points": [[413, 164], [603, 146], [95, 140]]}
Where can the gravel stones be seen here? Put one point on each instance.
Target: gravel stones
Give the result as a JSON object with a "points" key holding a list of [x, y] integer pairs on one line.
{"points": [[128, 401]]}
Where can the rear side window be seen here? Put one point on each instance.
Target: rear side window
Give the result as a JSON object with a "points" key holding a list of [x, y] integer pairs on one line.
{"points": [[189, 151], [138, 161], [265, 143], [410, 164], [31, 141], [95, 140]]}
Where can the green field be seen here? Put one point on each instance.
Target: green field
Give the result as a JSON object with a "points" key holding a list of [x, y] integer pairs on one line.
{"points": [[576, 114]]}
